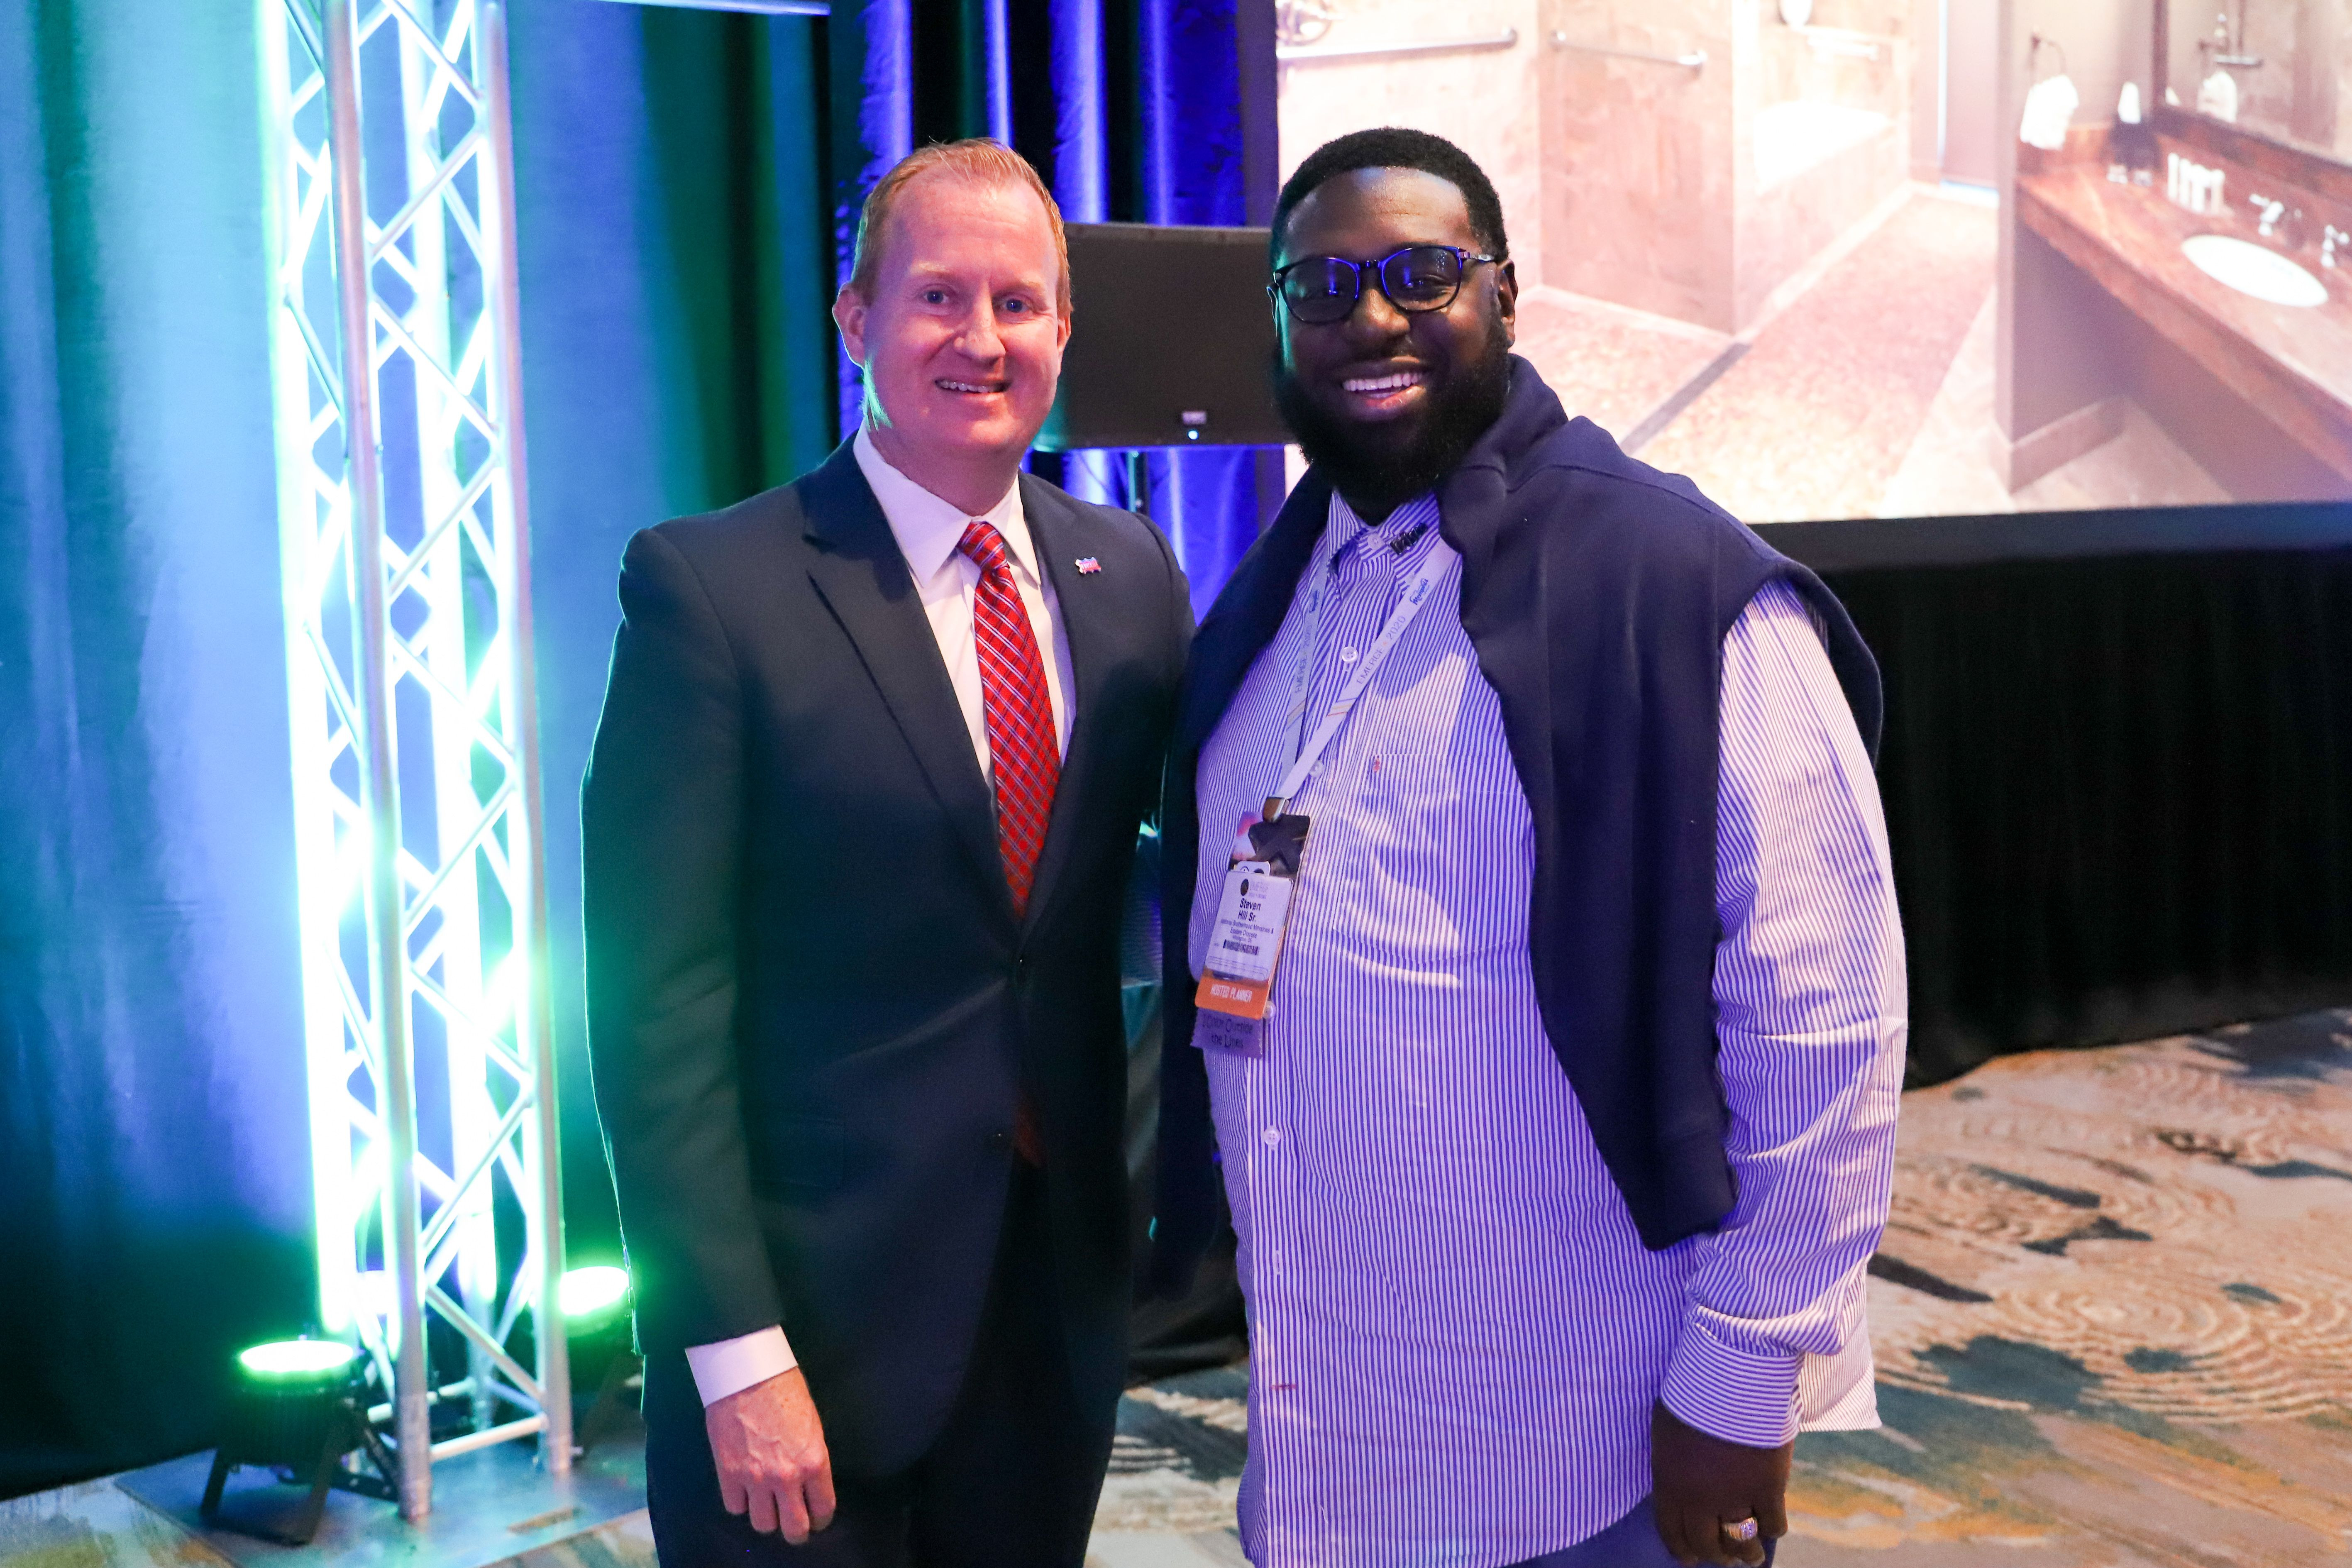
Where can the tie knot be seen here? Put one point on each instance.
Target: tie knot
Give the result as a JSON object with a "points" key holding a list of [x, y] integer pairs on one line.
{"points": [[985, 546]]}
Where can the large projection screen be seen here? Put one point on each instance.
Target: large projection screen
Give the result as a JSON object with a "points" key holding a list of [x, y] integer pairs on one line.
{"points": [[1797, 250]]}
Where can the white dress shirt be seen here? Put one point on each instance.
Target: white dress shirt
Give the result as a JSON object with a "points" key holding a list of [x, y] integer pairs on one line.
{"points": [[928, 532]]}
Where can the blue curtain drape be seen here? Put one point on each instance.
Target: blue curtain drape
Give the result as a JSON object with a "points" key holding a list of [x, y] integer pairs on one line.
{"points": [[1134, 112], [683, 180]]}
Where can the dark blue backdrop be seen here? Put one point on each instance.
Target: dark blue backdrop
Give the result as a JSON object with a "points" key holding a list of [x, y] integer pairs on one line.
{"points": [[683, 179]]}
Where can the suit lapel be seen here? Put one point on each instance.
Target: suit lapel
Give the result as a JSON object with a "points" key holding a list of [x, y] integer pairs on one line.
{"points": [[1056, 535], [860, 573]]}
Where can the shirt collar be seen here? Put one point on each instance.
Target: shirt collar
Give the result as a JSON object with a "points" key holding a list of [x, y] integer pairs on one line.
{"points": [[1407, 530], [927, 529]]}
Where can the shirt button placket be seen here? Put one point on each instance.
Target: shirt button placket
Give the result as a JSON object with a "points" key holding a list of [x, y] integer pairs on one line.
{"points": [[1268, 1344], [1271, 1362], [1265, 1215], [1283, 1370]]}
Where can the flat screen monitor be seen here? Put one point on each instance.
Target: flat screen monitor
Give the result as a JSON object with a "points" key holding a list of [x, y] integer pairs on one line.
{"points": [[1171, 342]]}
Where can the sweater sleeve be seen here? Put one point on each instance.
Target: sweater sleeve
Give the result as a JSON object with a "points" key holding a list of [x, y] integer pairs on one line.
{"points": [[1812, 1018]]}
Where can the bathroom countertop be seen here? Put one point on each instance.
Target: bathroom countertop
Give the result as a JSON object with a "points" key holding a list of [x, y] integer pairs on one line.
{"points": [[2294, 364]]}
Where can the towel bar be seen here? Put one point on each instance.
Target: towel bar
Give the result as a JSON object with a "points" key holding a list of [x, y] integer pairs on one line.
{"points": [[1508, 39], [1694, 61]]}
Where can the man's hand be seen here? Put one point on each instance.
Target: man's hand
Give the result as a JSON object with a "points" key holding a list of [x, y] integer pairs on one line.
{"points": [[768, 1446], [1699, 1484]]}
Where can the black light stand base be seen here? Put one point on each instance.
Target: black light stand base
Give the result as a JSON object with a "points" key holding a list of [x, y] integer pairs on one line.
{"points": [[611, 1412], [345, 1432]]}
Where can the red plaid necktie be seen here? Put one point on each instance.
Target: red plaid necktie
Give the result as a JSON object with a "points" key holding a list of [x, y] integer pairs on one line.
{"points": [[1021, 739]]}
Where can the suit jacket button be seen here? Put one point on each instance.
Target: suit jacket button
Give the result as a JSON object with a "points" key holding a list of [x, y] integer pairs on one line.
{"points": [[999, 1140]]}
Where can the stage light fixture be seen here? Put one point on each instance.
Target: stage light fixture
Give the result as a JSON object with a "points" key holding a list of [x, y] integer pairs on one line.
{"points": [[295, 1410], [596, 1302], [296, 1361], [589, 1296]]}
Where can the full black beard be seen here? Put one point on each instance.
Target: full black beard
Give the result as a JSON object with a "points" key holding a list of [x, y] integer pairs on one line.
{"points": [[1373, 473]]}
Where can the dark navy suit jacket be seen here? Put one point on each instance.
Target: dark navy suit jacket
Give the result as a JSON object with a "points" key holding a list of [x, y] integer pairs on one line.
{"points": [[1597, 592], [811, 1008]]}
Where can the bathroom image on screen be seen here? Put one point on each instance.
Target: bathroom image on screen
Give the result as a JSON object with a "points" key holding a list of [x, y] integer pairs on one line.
{"points": [[1844, 259]]}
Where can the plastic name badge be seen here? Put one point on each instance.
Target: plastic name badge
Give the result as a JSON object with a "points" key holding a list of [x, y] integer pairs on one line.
{"points": [[1253, 913]]}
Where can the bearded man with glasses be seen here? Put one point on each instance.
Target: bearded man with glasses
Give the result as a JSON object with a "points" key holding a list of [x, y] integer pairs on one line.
{"points": [[1544, 988]]}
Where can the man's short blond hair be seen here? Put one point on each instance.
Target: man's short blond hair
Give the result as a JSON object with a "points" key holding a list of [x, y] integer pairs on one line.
{"points": [[978, 159]]}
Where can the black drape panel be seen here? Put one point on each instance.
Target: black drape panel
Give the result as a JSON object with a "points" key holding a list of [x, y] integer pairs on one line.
{"points": [[2118, 786]]}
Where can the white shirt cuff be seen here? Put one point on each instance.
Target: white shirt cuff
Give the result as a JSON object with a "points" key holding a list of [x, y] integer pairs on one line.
{"points": [[1742, 1396], [731, 1366]]}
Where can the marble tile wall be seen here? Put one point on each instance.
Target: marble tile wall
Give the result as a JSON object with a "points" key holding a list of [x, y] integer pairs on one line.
{"points": [[1825, 64], [1777, 229], [1653, 195], [1484, 101], [1639, 167]]}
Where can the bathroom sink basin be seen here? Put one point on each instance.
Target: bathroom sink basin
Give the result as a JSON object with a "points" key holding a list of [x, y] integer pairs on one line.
{"points": [[2253, 269]]}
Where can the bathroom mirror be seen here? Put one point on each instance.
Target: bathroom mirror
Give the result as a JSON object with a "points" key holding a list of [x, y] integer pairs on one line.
{"points": [[2279, 68]]}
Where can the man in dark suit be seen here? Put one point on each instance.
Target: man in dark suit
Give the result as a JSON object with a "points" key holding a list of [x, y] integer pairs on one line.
{"points": [[861, 809]]}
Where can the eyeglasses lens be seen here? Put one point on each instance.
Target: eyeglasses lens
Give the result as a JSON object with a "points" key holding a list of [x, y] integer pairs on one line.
{"points": [[1320, 289], [1421, 279]]}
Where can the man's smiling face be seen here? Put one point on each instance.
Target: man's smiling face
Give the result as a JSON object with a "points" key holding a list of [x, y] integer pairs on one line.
{"points": [[1387, 401], [962, 341]]}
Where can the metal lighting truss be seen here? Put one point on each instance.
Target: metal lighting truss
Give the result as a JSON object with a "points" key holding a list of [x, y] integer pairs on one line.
{"points": [[405, 551]]}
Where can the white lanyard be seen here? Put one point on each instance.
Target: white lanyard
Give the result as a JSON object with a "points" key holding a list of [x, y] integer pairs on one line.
{"points": [[1310, 752]]}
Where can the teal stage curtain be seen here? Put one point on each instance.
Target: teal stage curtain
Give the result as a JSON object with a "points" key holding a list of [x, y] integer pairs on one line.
{"points": [[684, 179], [677, 355], [154, 1171]]}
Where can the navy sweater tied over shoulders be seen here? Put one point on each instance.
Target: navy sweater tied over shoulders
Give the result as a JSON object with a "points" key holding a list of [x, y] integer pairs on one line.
{"points": [[1597, 592]]}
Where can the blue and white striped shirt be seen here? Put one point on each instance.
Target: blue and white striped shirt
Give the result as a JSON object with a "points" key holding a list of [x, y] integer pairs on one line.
{"points": [[1455, 1334]]}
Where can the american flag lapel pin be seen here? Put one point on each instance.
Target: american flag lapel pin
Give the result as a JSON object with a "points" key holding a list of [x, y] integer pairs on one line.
{"points": [[1088, 566]]}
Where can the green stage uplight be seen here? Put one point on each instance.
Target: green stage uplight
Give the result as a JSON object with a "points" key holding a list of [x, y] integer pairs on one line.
{"points": [[295, 1410], [588, 1296], [595, 1301], [298, 1360]]}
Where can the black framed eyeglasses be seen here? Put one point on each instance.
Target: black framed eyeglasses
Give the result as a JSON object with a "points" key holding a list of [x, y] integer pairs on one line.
{"points": [[1322, 290]]}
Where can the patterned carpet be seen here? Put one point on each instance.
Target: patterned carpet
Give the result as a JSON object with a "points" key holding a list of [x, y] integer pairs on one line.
{"points": [[2113, 1316]]}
